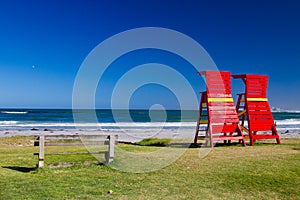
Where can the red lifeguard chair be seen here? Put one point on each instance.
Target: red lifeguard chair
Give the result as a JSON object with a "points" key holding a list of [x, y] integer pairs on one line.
{"points": [[253, 105], [217, 112]]}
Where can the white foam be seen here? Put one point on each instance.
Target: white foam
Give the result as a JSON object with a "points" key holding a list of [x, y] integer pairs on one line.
{"points": [[138, 125], [14, 112], [8, 123], [18, 124], [148, 124], [290, 129], [285, 111], [288, 122]]}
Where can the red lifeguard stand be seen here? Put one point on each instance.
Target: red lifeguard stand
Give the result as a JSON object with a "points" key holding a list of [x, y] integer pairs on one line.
{"points": [[217, 112], [253, 105]]}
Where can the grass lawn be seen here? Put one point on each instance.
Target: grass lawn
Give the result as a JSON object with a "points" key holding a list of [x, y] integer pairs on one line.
{"points": [[265, 171]]}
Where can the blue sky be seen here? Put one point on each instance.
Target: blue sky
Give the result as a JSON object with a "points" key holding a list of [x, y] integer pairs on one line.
{"points": [[43, 43]]}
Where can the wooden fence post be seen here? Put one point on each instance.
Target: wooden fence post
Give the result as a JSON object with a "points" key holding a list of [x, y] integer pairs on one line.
{"points": [[111, 149], [41, 151]]}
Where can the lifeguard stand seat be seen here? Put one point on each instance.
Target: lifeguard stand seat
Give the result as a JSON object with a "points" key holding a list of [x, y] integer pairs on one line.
{"points": [[217, 112], [253, 106]]}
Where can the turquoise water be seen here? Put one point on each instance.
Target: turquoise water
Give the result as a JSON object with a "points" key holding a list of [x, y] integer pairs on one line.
{"points": [[104, 116]]}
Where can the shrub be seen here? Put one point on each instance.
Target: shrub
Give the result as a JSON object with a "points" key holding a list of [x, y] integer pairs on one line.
{"points": [[154, 142]]}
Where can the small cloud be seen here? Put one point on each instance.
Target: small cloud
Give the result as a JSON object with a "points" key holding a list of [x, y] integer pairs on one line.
{"points": [[33, 66]]}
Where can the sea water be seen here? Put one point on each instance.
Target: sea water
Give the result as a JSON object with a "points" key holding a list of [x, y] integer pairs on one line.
{"points": [[25, 119], [63, 119]]}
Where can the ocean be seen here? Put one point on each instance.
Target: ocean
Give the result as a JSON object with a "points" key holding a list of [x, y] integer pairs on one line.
{"points": [[25, 119], [62, 119]]}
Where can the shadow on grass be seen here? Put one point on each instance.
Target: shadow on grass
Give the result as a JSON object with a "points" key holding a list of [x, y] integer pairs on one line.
{"points": [[189, 145], [20, 169]]}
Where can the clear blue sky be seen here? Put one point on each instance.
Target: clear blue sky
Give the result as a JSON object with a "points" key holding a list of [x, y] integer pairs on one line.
{"points": [[43, 43]]}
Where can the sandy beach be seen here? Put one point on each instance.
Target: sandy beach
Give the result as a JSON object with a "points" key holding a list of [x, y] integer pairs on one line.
{"points": [[124, 135]]}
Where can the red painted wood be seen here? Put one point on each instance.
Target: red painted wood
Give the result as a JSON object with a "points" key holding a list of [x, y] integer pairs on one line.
{"points": [[264, 136], [223, 128], [222, 138], [222, 115], [258, 113]]}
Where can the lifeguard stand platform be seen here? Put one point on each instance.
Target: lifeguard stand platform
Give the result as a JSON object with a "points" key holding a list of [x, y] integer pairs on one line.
{"points": [[218, 119], [253, 106]]}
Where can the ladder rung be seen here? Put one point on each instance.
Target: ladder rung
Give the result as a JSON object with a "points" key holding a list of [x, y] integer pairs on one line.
{"points": [[203, 122], [245, 129], [241, 113]]}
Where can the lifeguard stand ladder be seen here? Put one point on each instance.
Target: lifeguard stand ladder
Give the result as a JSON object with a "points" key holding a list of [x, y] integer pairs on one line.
{"points": [[253, 105], [217, 112]]}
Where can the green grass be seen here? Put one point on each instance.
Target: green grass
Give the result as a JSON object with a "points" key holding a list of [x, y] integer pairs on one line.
{"points": [[265, 171], [160, 142]]}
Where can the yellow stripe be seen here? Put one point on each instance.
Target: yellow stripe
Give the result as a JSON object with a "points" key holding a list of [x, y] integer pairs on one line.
{"points": [[204, 104], [220, 100], [257, 99]]}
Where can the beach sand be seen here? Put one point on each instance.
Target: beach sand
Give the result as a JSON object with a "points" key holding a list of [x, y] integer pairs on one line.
{"points": [[124, 135]]}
